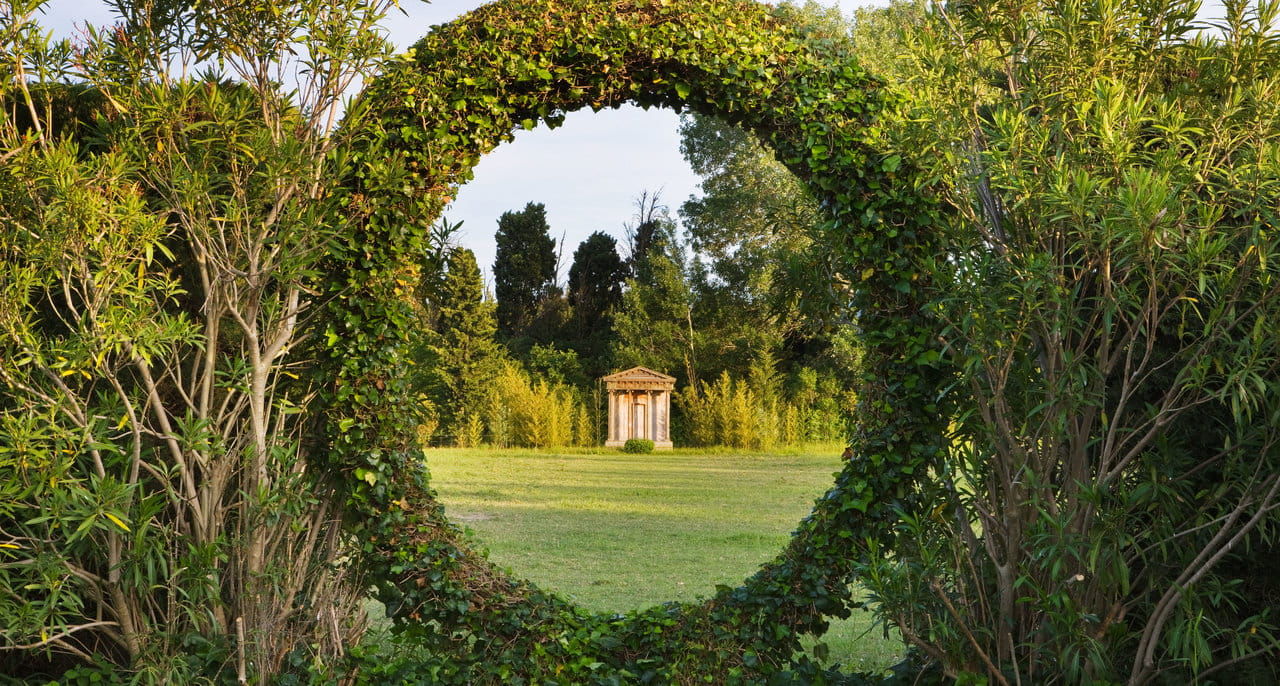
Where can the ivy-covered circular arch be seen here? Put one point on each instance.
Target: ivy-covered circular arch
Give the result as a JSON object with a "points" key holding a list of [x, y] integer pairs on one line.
{"points": [[414, 136]]}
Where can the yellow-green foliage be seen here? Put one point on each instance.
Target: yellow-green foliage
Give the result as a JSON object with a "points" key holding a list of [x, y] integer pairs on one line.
{"points": [[584, 426], [471, 432], [535, 414], [730, 412], [751, 413], [429, 423], [791, 426]]}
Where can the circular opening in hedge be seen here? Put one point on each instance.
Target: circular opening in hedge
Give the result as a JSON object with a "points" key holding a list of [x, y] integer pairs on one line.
{"points": [[616, 533]]}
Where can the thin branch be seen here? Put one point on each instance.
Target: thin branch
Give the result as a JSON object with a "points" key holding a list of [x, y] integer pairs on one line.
{"points": [[57, 638], [951, 610]]}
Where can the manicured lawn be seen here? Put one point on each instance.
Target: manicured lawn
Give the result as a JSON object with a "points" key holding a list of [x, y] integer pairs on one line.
{"points": [[616, 532]]}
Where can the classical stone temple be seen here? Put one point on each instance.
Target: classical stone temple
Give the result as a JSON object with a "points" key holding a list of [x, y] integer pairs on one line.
{"points": [[639, 406]]}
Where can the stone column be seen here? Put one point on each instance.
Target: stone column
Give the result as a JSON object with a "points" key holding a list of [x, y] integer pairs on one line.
{"points": [[613, 416], [619, 400], [661, 417], [651, 431], [628, 411], [620, 415]]}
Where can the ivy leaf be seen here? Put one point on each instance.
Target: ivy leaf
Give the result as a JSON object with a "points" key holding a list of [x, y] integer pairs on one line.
{"points": [[367, 475]]}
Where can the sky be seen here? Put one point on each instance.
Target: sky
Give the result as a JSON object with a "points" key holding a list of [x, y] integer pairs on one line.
{"points": [[588, 172]]}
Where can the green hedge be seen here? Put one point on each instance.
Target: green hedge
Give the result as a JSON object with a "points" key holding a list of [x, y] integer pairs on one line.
{"points": [[421, 127]]}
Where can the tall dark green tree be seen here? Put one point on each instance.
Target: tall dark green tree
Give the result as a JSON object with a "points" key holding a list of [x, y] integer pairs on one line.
{"points": [[595, 290], [524, 269], [596, 276], [466, 354]]}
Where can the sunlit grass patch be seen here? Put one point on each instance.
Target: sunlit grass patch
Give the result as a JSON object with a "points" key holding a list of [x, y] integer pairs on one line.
{"points": [[616, 532]]}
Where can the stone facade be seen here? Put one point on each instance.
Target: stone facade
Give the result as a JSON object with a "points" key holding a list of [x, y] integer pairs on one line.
{"points": [[639, 406]]}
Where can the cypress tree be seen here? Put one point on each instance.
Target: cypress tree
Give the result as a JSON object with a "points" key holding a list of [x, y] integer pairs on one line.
{"points": [[595, 288], [524, 269], [467, 354]]}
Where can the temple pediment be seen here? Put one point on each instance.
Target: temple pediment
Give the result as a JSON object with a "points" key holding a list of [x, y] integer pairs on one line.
{"points": [[639, 378]]}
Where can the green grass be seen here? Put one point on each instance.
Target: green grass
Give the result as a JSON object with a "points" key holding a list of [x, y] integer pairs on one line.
{"points": [[617, 532]]}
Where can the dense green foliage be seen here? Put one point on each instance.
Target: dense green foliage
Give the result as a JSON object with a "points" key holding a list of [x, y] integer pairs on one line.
{"points": [[160, 237], [637, 445], [1109, 297], [536, 412], [653, 326], [754, 221], [595, 290], [524, 272], [463, 358], [595, 279], [474, 390], [756, 411]]}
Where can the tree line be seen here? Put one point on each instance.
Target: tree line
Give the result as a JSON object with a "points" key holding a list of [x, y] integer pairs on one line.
{"points": [[524, 368]]}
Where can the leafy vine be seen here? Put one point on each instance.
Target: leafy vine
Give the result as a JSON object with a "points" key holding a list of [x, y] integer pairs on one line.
{"points": [[416, 133]]}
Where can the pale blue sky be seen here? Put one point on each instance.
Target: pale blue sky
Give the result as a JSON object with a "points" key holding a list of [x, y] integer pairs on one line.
{"points": [[588, 172]]}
